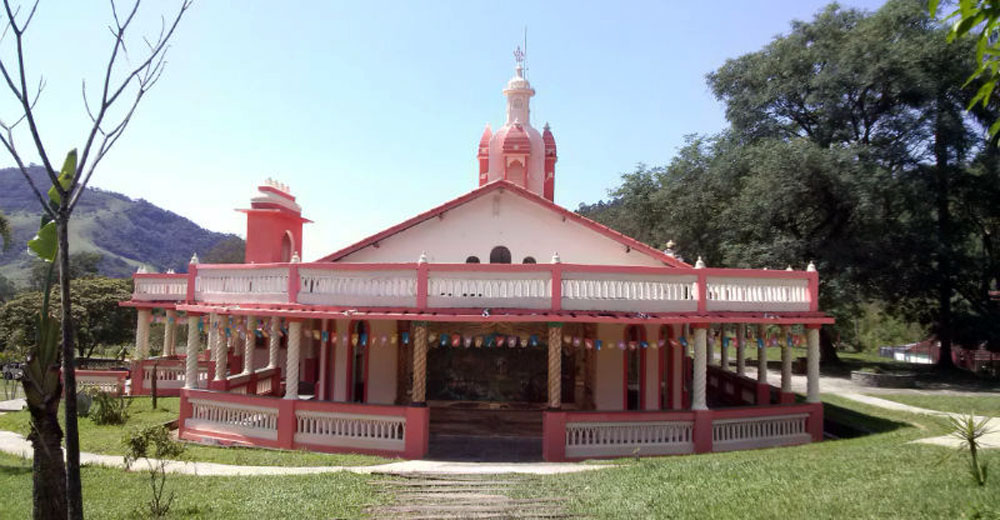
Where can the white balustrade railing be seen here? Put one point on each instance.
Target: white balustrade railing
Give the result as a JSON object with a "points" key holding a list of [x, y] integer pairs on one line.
{"points": [[264, 285], [233, 419], [757, 294], [264, 386], [376, 432], [759, 432], [167, 289], [526, 290], [612, 439], [171, 376], [625, 292], [109, 384], [358, 288]]}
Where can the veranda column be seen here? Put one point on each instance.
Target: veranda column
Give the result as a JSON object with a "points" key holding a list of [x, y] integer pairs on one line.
{"points": [[292, 360], [698, 401], [193, 347], [248, 344], [274, 342], [555, 365], [812, 363], [786, 360], [741, 352], [217, 342], [724, 361], [142, 334], [419, 362], [170, 333]]}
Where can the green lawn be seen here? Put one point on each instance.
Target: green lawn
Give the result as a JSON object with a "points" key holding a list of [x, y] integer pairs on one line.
{"points": [[876, 476], [979, 404], [111, 493], [107, 440]]}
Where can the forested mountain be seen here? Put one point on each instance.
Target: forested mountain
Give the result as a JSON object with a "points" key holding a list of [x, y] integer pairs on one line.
{"points": [[126, 232]]}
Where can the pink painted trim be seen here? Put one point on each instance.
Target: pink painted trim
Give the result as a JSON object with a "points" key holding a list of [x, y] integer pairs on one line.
{"points": [[160, 276], [192, 275], [294, 282], [422, 286], [517, 190], [276, 191], [557, 271], [702, 293]]}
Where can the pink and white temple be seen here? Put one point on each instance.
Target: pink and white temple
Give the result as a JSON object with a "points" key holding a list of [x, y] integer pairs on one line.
{"points": [[498, 314]]}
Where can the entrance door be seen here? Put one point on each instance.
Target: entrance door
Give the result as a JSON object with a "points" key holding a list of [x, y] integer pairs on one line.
{"points": [[357, 374]]}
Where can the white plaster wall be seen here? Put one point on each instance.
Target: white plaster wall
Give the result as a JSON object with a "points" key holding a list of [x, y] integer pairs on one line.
{"points": [[501, 218], [608, 388], [382, 364]]}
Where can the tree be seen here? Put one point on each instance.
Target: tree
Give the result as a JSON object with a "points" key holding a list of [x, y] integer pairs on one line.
{"points": [[81, 264], [842, 150], [123, 87], [7, 289], [6, 232], [980, 18]]}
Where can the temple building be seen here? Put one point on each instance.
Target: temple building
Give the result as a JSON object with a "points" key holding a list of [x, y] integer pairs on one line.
{"points": [[497, 315]]}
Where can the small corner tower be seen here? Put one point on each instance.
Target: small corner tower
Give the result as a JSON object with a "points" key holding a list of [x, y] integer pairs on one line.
{"points": [[517, 152], [274, 225]]}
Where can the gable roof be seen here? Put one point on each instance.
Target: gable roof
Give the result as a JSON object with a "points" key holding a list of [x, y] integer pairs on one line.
{"points": [[525, 194]]}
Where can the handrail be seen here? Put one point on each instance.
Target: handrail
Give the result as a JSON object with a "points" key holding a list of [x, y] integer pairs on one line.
{"points": [[554, 287]]}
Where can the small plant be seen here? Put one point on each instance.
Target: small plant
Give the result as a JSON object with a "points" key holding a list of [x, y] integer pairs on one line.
{"points": [[154, 445], [968, 430], [109, 408]]}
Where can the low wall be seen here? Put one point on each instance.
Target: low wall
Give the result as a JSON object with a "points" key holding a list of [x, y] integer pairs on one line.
{"points": [[171, 373], [110, 381], [572, 436], [224, 418]]}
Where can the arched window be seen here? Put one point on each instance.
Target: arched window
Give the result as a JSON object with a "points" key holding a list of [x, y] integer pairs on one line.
{"points": [[500, 255], [529, 260], [472, 260], [287, 247]]}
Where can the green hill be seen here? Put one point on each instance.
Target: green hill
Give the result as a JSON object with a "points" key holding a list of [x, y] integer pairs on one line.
{"points": [[127, 232]]}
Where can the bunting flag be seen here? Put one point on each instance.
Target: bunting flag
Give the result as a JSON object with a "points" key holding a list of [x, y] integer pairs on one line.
{"points": [[316, 334], [405, 336], [644, 344], [598, 343], [684, 341], [674, 343], [364, 339], [760, 342], [500, 341], [621, 345], [567, 339], [588, 343], [468, 342], [788, 340], [479, 341], [394, 338], [725, 341], [576, 341], [324, 336], [534, 340], [354, 339], [258, 334], [456, 340], [432, 337], [661, 342]]}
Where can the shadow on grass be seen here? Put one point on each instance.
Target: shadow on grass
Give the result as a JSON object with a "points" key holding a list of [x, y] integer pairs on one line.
{"points": [[10, 470], [845, 423]]}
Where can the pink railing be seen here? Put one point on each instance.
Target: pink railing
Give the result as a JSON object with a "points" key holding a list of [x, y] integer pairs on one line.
{"points": [[552, 287], [737, 390], [217, 417], [171, 373], [264, 381], [584, 435], [109, 381]]}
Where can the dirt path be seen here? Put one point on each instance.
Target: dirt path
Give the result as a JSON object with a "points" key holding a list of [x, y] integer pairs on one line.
{"points": [[431, 496]]}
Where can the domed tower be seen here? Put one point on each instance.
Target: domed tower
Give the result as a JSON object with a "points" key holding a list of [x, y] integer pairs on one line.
{"points": [[517, 152], [550, 162], [484, 154], [274, 225]]}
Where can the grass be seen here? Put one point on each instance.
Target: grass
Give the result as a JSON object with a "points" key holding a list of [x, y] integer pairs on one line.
{"points": [[978, 404], [111, 493], [875, 476], [106, 440]]}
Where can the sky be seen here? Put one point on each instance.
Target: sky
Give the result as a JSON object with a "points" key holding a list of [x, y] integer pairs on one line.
{"points": [[372, 111]]}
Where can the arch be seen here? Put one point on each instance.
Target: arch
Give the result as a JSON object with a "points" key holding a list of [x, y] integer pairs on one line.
{"points": [[529, 260], [634, 368], [516, 173], [500, 255], [473, 259], [357, 362], [287, 246]]}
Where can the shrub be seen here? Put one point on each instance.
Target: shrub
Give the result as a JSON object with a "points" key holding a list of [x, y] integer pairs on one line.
{"points": [[109, 408], [155, 446]]}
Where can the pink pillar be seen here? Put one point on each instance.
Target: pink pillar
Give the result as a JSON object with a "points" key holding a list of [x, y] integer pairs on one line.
{"points": [[554, 436], [418, 420], [702, 431]]}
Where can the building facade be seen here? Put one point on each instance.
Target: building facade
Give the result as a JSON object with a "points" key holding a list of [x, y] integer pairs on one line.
{"points": [[498, 313]]}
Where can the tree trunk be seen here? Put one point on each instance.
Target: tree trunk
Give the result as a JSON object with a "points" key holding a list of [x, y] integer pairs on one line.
{"points": [[74, 489], [827, 350], [48, 470], [943, 210]]}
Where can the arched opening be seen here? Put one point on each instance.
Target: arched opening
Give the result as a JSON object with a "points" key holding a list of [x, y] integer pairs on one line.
{"points": [[500, 255], [633, 367], [529, 260], [358, 356], [287, 247], [515, 173], [472, 259]]}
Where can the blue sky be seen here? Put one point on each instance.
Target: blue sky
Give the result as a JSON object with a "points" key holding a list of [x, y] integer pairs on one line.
{"points": [[371, 111]]}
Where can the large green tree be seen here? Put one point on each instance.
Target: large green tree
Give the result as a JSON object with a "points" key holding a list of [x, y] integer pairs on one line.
{"points": [[848, 145]]}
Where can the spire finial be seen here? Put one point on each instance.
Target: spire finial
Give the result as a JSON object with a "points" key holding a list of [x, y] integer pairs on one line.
{"points": [[194, 259], [811, 267], [700, 264]]}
